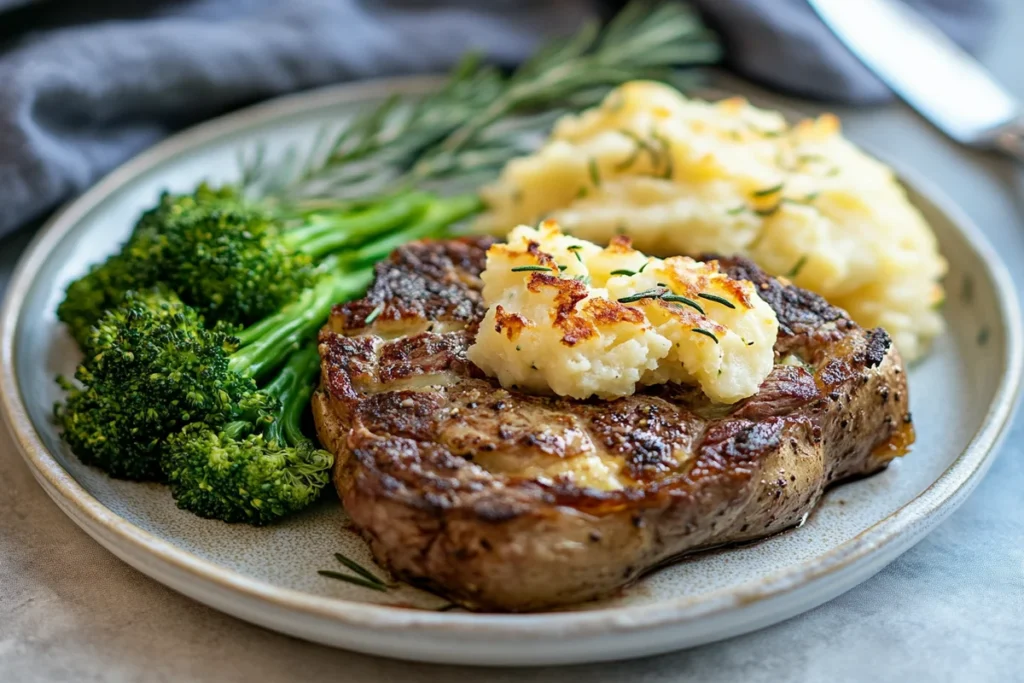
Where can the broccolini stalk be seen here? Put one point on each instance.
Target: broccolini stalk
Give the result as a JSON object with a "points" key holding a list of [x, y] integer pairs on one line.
{"points": [[435, 222], [253, 472]]}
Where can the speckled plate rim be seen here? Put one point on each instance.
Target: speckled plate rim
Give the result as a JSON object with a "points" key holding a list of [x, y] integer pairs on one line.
{"points": [[935, 502]]}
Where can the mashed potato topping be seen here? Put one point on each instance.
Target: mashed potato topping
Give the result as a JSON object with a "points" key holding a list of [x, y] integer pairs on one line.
{"points": [[567, 316], [683, 176]]}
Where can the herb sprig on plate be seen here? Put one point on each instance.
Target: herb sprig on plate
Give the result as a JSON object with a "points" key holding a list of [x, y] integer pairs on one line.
{"points": [[482, 117]]}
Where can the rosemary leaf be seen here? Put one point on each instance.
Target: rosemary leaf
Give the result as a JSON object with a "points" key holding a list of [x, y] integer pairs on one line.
{"points": [[717, 299], [358, 568], [797, 267], [706, 334], [768, 191], [654, 293], [686, 301], [373, 314], [528, 269], [354, 580]]}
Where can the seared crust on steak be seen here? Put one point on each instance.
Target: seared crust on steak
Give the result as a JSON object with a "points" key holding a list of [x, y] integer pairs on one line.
{"points": [[501, 500]]}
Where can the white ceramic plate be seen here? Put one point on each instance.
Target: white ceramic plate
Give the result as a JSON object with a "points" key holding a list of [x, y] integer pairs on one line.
{"points": [[962, 397]]}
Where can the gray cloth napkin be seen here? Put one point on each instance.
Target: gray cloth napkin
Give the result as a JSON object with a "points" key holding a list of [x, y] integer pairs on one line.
{"points": [[84, 86]]}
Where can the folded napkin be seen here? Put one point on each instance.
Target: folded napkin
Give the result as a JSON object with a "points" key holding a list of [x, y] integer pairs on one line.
{"points": [[84, 86]]}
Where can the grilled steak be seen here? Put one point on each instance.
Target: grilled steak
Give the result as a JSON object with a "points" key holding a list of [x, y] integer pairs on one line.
{"points": [[478, 492]]}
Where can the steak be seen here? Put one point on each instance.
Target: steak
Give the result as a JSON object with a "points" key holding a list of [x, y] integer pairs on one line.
{"points": [[473, 491]]}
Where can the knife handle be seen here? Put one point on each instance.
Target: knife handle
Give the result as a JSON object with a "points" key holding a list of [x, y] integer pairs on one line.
{"points": [[1009, 139]]}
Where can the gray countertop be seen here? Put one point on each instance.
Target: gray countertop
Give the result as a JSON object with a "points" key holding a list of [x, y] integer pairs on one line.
{"points": [[950, 609]]}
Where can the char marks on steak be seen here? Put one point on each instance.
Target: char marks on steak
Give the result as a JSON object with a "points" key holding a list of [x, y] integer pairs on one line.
{"points": [[507, 501]]}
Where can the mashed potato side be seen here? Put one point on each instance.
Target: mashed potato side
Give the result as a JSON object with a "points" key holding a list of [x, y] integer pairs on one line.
{"points": [[569, 317], [682, 176]]}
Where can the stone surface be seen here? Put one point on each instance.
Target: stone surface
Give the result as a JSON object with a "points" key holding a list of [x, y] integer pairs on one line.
{"points": [[950, 609]]}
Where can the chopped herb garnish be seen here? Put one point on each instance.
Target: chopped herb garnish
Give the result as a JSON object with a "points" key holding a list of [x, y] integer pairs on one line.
{"points": [[354, 580], [797, 267], [582, 192], [812, 196], [624, 271], [770, 211], [750, 343], [804, 158], [561, 267], [983, 335], [737, 209], [643, 266], [575, 249], [768, 190], [705, 333], [717, 299], [527, 269], [585, 279], [518, 347], [654, 293], [666, 147], [967, 289], [641, 146], [373, 314], [680, 299], [595, 173]]}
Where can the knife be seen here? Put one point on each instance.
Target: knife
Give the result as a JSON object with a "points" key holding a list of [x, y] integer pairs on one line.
{"points": [[928, 70]]}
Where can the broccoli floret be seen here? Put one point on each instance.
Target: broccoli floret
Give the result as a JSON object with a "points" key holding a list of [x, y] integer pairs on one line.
{"points": [[153, 367], [150, 368], [227, 258], [233, 260], [252, 472]]}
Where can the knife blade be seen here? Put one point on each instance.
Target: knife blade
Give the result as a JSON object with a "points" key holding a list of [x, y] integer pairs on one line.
{"points": [[931, 72]]}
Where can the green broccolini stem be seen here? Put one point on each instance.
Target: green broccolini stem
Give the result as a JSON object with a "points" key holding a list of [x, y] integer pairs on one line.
{"points": [[434, 222], [292, 387], [330, 232], [293, 325]]}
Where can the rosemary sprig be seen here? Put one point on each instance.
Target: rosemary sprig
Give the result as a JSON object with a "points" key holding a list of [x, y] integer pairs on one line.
{"points": [[483, 117], [623, 271]]}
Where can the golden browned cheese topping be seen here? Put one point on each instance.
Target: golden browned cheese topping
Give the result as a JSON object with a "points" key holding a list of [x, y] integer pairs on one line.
{"points": [[568, 317]]}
